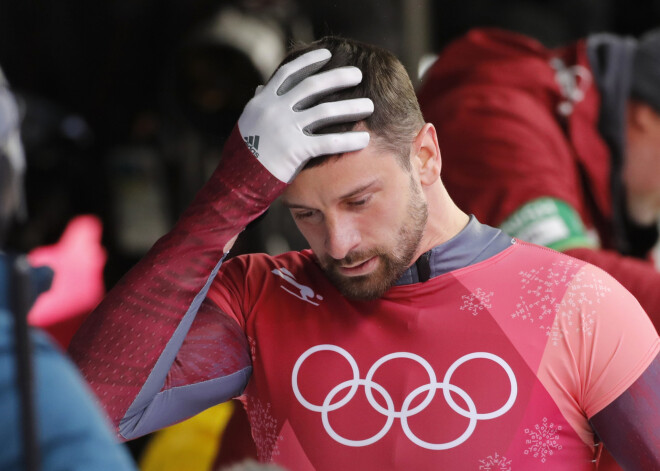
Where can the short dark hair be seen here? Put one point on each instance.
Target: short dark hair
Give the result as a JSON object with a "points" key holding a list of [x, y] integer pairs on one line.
{"points": [[397, 118], [646, 70]]}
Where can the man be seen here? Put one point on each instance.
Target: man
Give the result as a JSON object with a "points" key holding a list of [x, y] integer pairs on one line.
{"points": [[557, 147], [410, 336], [49, 418]]}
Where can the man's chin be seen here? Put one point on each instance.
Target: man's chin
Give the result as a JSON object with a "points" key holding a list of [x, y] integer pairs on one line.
{"points": [[362, 288], [360, 294]]}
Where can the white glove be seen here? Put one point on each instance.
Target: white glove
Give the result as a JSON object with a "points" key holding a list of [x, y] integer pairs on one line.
{"points": [[278, 127]]}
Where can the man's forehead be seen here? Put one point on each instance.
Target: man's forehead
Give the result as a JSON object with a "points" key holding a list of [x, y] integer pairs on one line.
{"points": [[342, 177]]}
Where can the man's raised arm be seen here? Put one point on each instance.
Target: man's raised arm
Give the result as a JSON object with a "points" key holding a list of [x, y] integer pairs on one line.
{"points": [[130, 347]]}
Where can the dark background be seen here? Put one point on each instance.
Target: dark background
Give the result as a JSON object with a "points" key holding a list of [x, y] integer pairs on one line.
{"points": [[125, 112]]}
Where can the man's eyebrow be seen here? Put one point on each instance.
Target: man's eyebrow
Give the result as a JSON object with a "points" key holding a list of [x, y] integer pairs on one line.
{"points": [[359, 190], [350, 194], [291, 205]]}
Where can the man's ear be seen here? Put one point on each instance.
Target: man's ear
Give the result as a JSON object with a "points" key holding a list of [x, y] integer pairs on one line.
{"points": [[426, 155]]}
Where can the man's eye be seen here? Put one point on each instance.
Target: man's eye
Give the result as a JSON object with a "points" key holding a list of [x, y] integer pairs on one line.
{"points": [[360, 202], [304, 215]]}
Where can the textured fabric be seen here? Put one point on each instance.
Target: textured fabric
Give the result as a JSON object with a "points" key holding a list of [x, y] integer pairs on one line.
{"points": [[187, 375], [517, 122], [529, 343], [158, 300], [637, 450]]}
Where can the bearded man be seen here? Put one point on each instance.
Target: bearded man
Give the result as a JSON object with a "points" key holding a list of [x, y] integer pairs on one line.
{"points": [[409, 335]]}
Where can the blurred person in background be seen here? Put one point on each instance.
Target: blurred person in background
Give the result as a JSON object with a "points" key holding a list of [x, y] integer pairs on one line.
{"points": [[399, 283], [50, 420], [64, 230], [558, 147]]}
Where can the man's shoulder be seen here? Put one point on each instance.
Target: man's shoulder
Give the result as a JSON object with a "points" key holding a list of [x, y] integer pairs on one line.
{"points": [[581, 276], [302, 257], [254, 266], [251, 277], [531, 254]]}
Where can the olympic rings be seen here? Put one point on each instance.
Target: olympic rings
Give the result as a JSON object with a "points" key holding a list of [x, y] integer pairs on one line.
{"points": [[389, 412]]}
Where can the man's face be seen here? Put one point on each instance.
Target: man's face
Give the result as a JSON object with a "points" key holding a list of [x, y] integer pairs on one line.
{"points": [[641, 172], [363, 216]]}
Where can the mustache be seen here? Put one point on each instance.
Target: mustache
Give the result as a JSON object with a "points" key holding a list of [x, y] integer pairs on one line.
{"points": [[353, 257]]}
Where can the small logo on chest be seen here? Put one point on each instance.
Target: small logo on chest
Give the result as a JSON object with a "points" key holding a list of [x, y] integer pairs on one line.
{"points": [[298, 290]]}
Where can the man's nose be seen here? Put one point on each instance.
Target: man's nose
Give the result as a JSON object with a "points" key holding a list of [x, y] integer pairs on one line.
{"points": [[342, 237]]}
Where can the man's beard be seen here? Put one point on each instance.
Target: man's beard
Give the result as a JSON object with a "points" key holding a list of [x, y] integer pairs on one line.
{"points": [[391, 265]]}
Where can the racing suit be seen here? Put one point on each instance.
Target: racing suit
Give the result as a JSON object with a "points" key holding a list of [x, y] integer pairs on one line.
{"points": [[488, 352]]}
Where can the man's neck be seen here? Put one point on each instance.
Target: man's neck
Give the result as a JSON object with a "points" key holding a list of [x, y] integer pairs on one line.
{"points": [[445, 221], [473, 244]]}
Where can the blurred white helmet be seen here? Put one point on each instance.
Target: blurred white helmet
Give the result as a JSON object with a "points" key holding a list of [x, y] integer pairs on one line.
{"points": [[12, 159]]}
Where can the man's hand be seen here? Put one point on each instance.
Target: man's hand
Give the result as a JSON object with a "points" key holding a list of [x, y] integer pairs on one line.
{"points": [[277, 124]]}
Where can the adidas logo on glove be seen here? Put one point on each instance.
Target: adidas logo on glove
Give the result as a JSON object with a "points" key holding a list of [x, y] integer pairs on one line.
{"points": [[253, 144]]}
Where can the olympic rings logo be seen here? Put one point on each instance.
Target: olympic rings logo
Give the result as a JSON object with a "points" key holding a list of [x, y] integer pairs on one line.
{"points": [[405, 412]]}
